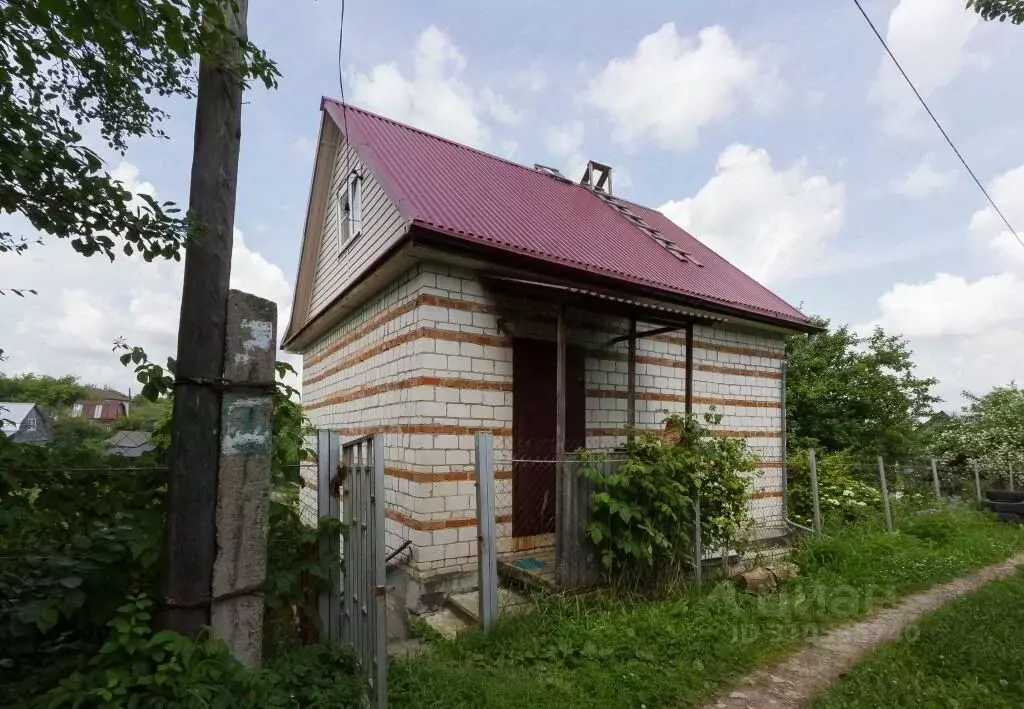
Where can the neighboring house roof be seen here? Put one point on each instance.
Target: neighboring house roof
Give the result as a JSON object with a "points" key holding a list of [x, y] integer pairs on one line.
{"points": [[104, 394], [464, 193], [130, 444], [12, 415]]}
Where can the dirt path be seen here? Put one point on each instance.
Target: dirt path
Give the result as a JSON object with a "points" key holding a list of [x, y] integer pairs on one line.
{"points": [[822, 662]]}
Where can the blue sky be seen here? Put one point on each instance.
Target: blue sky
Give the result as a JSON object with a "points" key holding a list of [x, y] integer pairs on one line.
{"points": [[775, 131]]}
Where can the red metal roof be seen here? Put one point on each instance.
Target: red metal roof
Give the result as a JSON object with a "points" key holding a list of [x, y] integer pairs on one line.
{"points": [[463, 192]]}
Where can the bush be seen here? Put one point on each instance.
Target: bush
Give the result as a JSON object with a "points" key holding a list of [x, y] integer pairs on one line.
{"points": [[642, 510], [842, 498], [136, 668]]}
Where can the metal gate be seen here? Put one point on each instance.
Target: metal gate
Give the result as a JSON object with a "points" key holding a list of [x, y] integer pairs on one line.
{"points": [[355, 609]]}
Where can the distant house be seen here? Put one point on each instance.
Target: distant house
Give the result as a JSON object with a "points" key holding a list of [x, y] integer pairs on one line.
{"points": [[25, 423], [130, 444], [103, 406]]}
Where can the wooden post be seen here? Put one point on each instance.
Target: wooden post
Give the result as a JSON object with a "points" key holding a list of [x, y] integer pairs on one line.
{"points": [[631, 383], [885, 495], [689, 369], [1010, 471], [190, 525], [243, 483], [812, 462], [935, 481], [562, 488]]}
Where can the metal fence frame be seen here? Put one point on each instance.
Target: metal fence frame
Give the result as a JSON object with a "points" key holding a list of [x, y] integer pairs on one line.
{"points": [[355, 610]]}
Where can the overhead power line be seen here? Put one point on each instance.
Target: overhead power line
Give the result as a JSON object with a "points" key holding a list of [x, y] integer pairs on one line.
{"points": [[938, 125], [341, 79]]}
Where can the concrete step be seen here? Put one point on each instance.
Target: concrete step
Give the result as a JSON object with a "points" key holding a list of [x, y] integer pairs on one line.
{"points": [[447, 622], [467, 605]]}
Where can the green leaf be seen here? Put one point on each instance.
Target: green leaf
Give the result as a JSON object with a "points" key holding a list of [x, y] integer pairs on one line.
{"points": [[71, 581]]}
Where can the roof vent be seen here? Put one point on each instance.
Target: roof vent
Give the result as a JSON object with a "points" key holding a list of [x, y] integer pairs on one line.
{"points": [[551, 172], [598, 177]]}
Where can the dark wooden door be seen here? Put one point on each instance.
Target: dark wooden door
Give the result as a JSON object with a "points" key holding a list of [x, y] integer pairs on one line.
{"points": [[534, 367]]}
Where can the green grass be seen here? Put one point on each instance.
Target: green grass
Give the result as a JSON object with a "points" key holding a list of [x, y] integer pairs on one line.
{"points": [[967, 654], [602, 651]]}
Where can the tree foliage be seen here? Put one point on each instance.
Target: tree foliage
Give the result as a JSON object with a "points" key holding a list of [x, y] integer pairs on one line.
{"points": [[988, 435], [51, 393], [863, 395], [1002, 10], [66, 64]]}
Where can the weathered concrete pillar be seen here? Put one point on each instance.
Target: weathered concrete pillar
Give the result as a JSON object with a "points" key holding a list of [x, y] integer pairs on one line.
{"points": [[243, 485]]}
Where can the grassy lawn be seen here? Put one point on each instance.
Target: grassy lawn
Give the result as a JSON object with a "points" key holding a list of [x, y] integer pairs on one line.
{"points": [[602, 651], [968, 654]]}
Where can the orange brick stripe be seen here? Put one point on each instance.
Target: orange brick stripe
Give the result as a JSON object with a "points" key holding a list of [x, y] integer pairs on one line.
{"points": [[728, 433], [391, 343], [603, 328], [448, 382], [434, 429], [697, 399], [680, 363], [765, 494], [396, 312], [468, 306], [436, 524], [456, 476]]}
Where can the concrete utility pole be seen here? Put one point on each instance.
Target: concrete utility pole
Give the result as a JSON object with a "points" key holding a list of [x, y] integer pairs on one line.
{"points": [[190, 531]]}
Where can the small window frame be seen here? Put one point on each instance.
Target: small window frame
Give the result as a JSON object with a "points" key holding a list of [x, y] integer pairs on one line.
{"points": [[97, 411], [349, 205]]}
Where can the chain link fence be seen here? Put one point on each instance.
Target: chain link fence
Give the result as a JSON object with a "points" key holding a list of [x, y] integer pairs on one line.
{"points": [[827, 492]]}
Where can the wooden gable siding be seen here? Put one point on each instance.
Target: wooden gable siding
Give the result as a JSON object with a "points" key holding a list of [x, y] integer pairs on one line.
{"points": [[382, 226]]}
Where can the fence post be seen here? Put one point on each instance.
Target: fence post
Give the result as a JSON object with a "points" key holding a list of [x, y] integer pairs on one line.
{"points": [[243, 482], [977, 482], [935, 480], [1010, 468], [885, 495], [487, 558], [698, 547], [328, 462], [812, 461]]}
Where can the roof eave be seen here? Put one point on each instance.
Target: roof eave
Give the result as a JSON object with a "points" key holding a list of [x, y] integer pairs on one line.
{"points": [[438, 237]]}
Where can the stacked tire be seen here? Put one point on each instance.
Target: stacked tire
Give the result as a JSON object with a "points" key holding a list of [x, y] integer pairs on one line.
{"points": [[1009, 506]]}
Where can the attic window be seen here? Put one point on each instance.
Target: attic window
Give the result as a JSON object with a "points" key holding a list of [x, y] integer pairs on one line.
{"points": [[350, 210]]}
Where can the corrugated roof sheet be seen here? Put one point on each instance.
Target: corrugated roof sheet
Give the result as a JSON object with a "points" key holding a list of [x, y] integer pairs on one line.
{"points": [[478, 197]]}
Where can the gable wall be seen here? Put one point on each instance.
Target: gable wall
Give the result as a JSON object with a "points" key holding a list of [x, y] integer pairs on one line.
{"points": [[382, 227]]}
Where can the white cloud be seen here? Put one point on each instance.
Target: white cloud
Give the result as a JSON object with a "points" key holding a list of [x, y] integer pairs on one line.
{"points": [[951, 306], [435, 95], [965, 333], [303, 146], [774, 224], [83, 304], [533, 78], [924, 181], [674, 86], [566, 143], [987, 227], [930, 39]]}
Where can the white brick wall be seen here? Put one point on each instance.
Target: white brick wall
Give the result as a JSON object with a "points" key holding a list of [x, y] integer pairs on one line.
{"points": [[425, 362]]}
